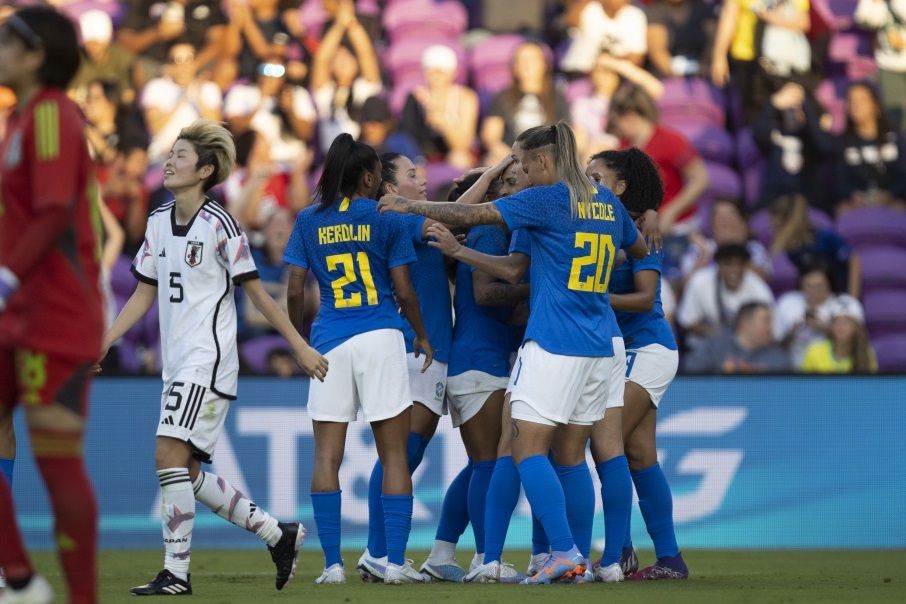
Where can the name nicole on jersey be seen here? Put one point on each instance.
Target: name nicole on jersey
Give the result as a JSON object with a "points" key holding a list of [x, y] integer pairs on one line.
{"points": [[344, 232], [596, 211]]}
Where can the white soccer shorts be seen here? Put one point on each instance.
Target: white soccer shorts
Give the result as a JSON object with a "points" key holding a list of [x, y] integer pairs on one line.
{"points": [[469, 391], [428, 388], [617, 391], [559, 389], [193, 414], [367, 370], [652, 367]]}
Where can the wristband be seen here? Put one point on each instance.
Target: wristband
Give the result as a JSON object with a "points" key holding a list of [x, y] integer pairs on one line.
{"points": [[9, 283]]}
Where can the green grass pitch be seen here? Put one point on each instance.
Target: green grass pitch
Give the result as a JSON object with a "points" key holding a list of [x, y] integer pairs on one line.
{"points": [[727, 577]]}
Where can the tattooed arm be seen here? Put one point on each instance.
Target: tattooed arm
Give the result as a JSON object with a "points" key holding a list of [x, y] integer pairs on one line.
{"points": [[446, 212], [510, 268], [488, 291]]}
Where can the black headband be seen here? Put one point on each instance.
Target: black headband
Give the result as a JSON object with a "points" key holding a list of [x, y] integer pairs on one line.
{"points": [[17, 24]]}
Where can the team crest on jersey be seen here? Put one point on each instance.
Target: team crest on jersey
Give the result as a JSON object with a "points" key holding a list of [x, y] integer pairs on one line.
{"points": [[439, 390], [14, 151], [194, 251]]}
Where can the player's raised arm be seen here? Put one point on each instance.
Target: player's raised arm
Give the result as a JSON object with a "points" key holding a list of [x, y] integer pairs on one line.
{"points": [[307, 357], [510, 268]]}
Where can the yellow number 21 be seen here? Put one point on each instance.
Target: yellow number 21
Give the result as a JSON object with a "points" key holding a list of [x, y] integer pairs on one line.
{"points": [[348, 265], [600, 255]]}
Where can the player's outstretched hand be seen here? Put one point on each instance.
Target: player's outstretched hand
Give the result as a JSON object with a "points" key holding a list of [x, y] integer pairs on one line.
{"points": [[443, 239], [311, 362], [648, 224], [393, 203], [96, 368], [423, 345]]}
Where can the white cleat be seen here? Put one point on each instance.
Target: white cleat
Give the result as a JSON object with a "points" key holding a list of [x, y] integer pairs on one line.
{"points": [[334, 575], [494, 572], [609, 574], [38, 591], [399, 575], [371, 569]]}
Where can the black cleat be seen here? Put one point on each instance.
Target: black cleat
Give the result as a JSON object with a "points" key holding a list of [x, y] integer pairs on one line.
{"points": [[285, 552], [164, 584]]}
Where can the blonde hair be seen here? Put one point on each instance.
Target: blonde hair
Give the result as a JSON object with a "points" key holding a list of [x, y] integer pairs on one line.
{"points": [[797, 231], [566, 159], [215, 147]]}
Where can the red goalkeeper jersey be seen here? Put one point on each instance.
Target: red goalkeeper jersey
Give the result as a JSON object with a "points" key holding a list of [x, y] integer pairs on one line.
{"points": [[44, 165]]}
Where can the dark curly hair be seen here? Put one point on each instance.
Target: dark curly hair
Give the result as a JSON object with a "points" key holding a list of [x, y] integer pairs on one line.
{"points": [[644, 187]]}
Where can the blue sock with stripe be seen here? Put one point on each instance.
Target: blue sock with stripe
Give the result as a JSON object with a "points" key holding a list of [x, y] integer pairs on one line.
{"points": [[656, 503], [454, 514], [6, 469], [478, 497], [545, 495], [502, 497], [377, 538], [616, 494], [398, 520], [327, 513], [579, 493]]}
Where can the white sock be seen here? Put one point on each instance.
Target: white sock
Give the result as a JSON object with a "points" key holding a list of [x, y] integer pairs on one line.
{"points": [[477, 560], [442, 552], [231, 504], [177, 515]]}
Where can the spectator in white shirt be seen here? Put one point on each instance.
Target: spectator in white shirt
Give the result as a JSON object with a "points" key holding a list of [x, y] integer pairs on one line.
{"points": [[612, 26], [176, 99], [714, 294], [804, 315], [283, 113]]}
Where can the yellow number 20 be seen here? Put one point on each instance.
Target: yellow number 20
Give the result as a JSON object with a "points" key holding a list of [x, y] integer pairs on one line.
{"points": [[348, 266], [600, 255]]}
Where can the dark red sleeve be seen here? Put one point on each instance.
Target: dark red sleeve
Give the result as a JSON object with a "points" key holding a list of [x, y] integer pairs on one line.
{"points": [[55, 145]]}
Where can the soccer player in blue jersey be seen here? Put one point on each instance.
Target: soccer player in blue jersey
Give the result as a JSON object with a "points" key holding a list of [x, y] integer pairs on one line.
{"points": [[652, 360], [357, 256], [479, 370], [562, 373], [429, 278]]}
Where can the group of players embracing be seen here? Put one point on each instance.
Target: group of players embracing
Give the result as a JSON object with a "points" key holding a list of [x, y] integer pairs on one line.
{"points": [[544, 240]]}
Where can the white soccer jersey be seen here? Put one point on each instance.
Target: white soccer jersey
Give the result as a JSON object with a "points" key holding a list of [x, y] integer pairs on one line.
{"points": [[195, 268]]}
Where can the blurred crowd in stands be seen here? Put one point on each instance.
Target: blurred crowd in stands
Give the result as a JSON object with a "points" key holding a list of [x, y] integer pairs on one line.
{"points": [[777, 126]]}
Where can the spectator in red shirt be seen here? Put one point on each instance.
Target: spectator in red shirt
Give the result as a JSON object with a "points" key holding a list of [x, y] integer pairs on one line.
{"points": [[50, 306], [634, 119]]}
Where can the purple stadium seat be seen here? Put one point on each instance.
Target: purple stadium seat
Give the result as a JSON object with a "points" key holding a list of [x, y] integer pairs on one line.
{"points": [[122, 282], [843, 11], [724, 182], [785, 277], [749, 159], [882, 267], [891, 352], [490, 63], [885, 310], [254, 352], [313, 16], [713, 143], [866, 227], [692, 100], [440, 176], [443, 19]]}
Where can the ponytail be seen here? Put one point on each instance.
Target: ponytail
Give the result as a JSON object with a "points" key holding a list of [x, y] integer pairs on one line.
{"points": [[345, 163], [566, 159], [644, 187]]}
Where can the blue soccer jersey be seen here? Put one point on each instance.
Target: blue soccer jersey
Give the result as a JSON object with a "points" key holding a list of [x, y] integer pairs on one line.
{"points": [[429, 279], [481, 335], [350, 248], [641, 329], [571, 265]]}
